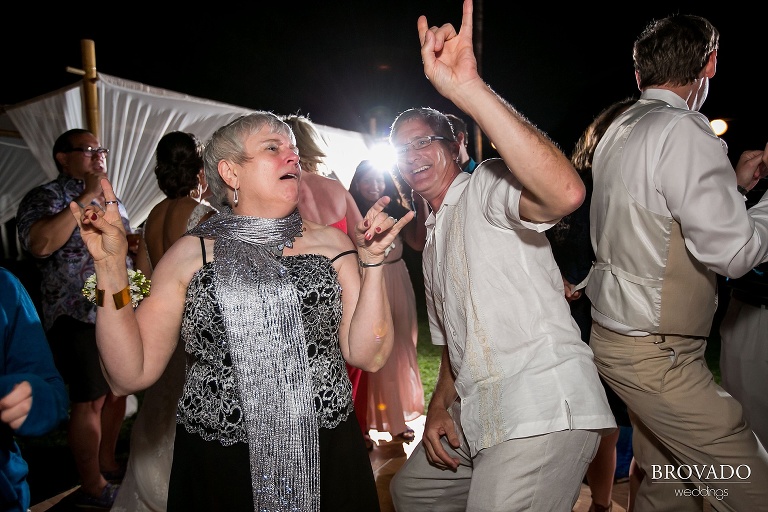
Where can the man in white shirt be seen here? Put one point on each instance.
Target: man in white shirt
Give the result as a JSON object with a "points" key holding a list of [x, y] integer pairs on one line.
{"points": [[667, 215], [518, 409]]}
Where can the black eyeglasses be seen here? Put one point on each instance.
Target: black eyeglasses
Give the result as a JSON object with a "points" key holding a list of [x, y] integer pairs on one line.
{"points": [[89, 152], [417, 144]]}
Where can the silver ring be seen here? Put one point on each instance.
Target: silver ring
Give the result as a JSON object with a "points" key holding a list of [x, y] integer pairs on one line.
{"points": [[111, 202], [394, 220]]}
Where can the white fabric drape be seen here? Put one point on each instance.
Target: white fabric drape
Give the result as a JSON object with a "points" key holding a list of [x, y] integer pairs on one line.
{"points": [[26, 163], [133, 118], [24, 172]]}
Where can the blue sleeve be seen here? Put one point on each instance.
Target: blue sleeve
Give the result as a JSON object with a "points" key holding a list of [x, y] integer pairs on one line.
{"points": [[27, 356]]}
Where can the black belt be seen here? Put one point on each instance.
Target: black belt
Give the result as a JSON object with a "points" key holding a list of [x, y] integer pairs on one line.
{"points": [[747, 298]]}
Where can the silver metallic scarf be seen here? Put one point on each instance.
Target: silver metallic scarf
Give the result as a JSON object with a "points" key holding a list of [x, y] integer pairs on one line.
{"points": [[261, 311]]}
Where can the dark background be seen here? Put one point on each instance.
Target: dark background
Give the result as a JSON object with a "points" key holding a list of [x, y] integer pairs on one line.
{"points": [[344, 63]]}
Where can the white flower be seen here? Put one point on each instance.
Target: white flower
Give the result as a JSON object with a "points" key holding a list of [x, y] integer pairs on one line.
{"points": [[138, 283]]}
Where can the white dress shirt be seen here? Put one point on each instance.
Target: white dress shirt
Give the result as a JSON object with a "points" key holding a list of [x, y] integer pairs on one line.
{"points": [[495, 297]]}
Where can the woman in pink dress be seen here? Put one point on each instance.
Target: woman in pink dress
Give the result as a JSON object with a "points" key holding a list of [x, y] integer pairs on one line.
{"points": [[395, 392]]}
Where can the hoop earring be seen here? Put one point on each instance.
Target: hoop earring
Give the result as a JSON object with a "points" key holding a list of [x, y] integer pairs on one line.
{"points": [[195, 192], [235, 199]]}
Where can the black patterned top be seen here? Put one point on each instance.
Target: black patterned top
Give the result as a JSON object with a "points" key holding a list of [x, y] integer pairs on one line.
{"points": [[210, 403]]}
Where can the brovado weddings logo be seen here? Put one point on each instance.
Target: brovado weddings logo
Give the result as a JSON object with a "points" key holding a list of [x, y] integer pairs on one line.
{"points": [[701, 475]]}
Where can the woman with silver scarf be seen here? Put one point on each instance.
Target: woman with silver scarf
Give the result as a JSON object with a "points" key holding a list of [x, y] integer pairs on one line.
{"points": [[268, 307]]}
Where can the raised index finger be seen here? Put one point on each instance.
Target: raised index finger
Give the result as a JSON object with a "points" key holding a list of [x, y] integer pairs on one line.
{"points": [[422, 26], [466, 18]]}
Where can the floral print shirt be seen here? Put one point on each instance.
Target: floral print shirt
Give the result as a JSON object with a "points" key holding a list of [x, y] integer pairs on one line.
{"points": [[63, 273]]}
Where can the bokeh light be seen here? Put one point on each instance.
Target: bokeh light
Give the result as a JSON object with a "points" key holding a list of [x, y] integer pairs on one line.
{"points": [[720, 126]]}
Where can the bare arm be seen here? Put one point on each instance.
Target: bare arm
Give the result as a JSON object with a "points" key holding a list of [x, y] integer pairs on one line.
{"points": [[353, 214], [439, 422], [142, 258], [134, 347], [552, 188], [366, 332], [49, 234]]}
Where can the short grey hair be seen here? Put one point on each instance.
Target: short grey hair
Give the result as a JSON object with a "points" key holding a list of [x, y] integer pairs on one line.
{"points": [[228, 143]]}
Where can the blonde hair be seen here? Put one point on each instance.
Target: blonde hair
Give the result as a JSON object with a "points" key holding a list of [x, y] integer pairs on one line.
{"points": [[308, 141]]}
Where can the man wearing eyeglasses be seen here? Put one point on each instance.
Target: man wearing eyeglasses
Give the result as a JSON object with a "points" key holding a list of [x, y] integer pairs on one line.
{"points": [[518, 408], [50, 234]]}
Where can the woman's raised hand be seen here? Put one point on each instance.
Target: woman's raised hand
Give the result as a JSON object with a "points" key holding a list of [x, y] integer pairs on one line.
{"points": [[102, 230], [377, 231]]}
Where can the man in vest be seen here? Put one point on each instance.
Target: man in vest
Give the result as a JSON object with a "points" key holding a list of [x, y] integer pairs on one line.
{"points": [[667, 215]]}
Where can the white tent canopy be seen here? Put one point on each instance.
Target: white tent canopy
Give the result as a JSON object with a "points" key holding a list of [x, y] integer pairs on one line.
{"points": [[133, 117]]}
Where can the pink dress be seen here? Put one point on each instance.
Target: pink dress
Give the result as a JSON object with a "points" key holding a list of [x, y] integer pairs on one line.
{"points": [[395, 392]]}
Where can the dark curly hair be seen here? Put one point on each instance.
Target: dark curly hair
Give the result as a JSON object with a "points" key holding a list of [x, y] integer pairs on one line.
{"points": [[179, 159]]}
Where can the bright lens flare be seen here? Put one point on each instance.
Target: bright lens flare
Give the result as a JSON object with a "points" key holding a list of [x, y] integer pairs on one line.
{"points": [[719, 126]]}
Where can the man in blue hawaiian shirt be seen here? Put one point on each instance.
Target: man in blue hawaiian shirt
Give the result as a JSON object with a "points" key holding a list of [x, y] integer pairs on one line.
{"points": [[50, 234]]}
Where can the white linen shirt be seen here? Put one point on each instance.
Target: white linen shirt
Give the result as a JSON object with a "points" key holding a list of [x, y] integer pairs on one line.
{"points": [[495, 297]]}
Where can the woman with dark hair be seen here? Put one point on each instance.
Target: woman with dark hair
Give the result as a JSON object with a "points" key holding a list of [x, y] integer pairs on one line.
{"points": [[395, 392], [180, 175]]}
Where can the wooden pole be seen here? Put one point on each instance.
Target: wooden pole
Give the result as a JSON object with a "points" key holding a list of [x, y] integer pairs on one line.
{"points": [[88, 48]]}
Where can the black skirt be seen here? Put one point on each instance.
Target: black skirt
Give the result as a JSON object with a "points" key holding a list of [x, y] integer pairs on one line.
{"points": [[209, 477]]}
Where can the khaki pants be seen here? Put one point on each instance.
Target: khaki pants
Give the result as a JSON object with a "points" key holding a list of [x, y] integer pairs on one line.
{"points": [[689, 434], [533, 474]]}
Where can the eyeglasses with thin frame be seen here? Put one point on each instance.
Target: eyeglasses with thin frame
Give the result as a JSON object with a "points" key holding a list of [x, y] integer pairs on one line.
{"points": [[89, 151], [417, 144]]}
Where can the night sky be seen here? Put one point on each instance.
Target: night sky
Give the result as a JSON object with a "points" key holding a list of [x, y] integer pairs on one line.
{"points": [[343, 63]]}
